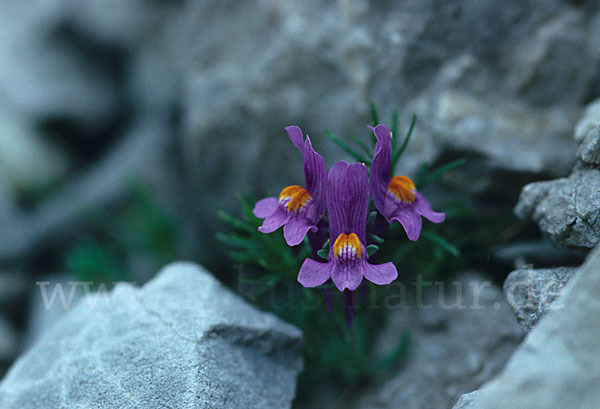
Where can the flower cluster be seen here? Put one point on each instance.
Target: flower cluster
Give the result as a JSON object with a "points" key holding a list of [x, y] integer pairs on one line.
{"points": [[338, 203]]}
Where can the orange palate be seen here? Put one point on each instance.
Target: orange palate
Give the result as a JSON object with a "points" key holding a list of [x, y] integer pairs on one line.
{"points": [[347, 240], [298, 197], [403, 188]]}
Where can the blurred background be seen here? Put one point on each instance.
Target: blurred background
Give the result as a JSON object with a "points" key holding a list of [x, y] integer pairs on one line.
{"points": [[125, 125]]}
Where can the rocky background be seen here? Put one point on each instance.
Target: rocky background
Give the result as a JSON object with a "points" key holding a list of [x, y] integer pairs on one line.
{"points": [[188, 99]]}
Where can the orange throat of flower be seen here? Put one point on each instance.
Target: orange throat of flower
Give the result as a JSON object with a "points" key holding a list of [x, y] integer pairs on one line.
{"points": [[347, 246], [294, 198], [403, 188]]}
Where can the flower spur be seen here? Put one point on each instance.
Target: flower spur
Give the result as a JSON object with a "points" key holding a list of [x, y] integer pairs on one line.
{"points": [[396, 198], [298, 209]]}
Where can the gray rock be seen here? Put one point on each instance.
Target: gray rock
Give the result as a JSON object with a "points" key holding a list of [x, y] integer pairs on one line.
{"points": [[50, 299], [589, 149], [13, 286], [558, 364], [467, 401], [459, 343], [541, 252], [182, 340], [9, 342], [519, 116], [20, 147], [567, 209], [44, 75], [588, 122], [531, 293], [587, 133], [446, 61], [142, 155]]}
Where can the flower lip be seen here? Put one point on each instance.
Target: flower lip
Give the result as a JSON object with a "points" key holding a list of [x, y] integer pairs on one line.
{"points": [[397, 198], [347, 247], [403, 188], [294, 198], [347, 203]]}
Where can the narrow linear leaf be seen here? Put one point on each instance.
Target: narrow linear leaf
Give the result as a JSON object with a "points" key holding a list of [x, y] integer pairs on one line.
{"points": [[357, 156], [372, 249], [433, 175], [374, 121], [377, 239], [371, 217], [441, 242], [324, 254], [363, 145], [324, 251], [236, 241], [394, 128], [374, 114], [398, 154], [235, 223]]}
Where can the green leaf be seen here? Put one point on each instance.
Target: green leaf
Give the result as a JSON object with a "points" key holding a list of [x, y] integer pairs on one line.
{"points": [[374, 121], [371, 217], [363, 145], [324, 254], [372, 249], [441, 242], [236, 241], [394, 128], [324, 251], [235, 223], [377, 239], [374, 115], [398, 154], [429, 177], [357, 156], [95, 261]]}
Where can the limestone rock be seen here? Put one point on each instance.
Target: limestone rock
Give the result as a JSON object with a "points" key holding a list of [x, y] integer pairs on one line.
{"points": [[182, 341], [467, 401], [459, 342], [589, 149], [567, 209], [588, 122], [558, 364], [531, 293]]}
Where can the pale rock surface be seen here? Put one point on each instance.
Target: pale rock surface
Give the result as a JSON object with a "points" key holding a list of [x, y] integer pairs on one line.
{"points": [[182, 340]]}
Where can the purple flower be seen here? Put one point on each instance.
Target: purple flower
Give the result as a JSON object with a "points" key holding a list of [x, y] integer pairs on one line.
{"points": [[396, 198], [298, 209], [347, 203]]}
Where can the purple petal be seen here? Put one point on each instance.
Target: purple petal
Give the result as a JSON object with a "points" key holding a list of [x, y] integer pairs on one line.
{"points": [[346, 276], [422, 206], [313, 274], [274, 221], [315, 175], [336, 200], [380, 273], [295, 134], [265, 207], [381, 166], [410, 220], [315, 170], [348, 200], [357, 192], [295, 230]]}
